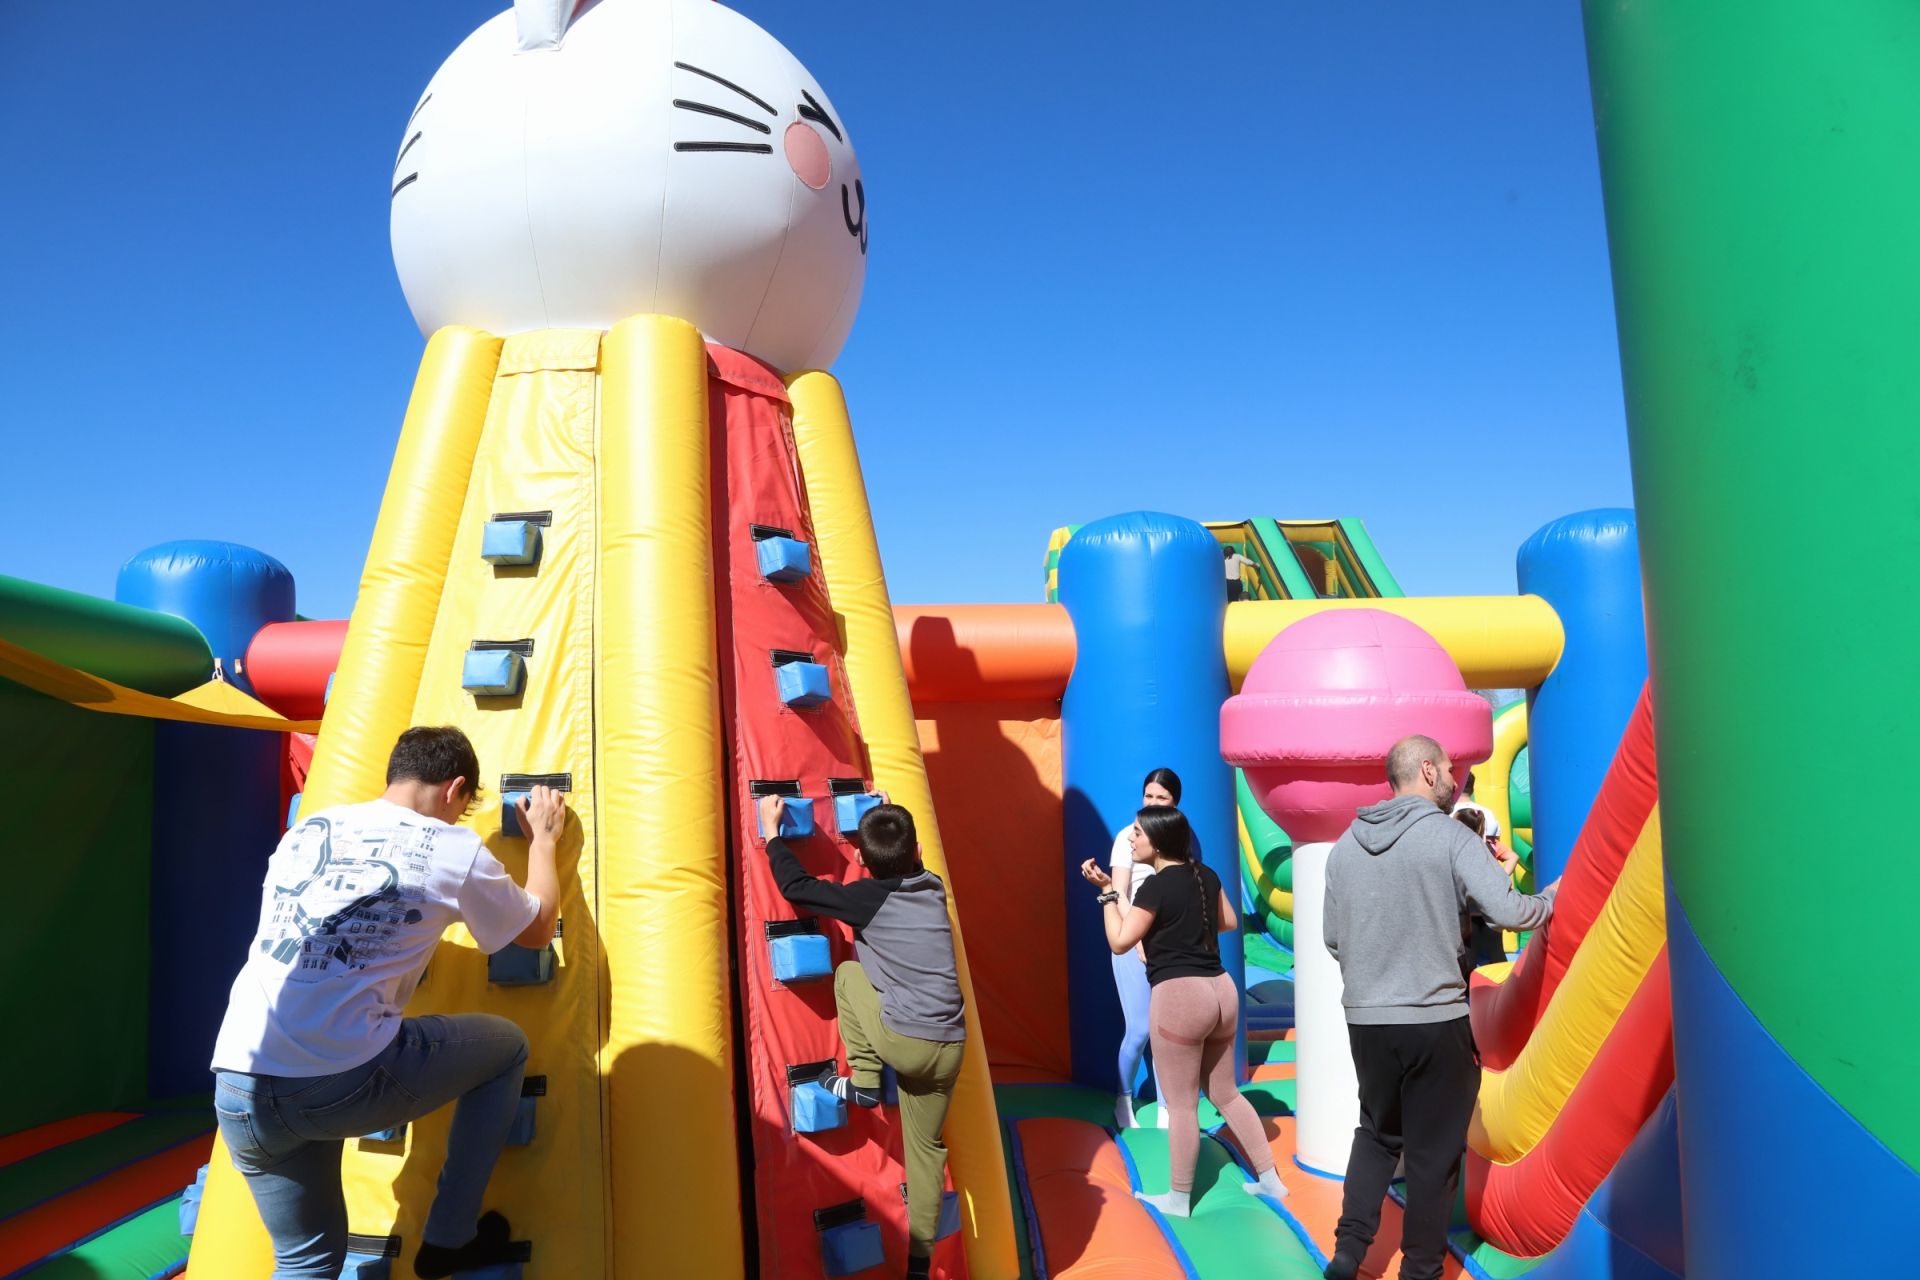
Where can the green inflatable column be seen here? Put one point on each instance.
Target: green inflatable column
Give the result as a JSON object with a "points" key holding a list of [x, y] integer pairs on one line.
{"points": [[1761, 164]]}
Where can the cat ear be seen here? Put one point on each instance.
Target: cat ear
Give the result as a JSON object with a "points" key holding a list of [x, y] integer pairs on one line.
{"points": [[543, 23]]}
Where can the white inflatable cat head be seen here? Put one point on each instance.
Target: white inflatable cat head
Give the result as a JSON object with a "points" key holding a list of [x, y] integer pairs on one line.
{"points": [[573, 164]]}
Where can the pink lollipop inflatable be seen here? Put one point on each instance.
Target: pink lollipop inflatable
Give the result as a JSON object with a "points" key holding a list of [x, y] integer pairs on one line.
{"points": [[1324, 702]]}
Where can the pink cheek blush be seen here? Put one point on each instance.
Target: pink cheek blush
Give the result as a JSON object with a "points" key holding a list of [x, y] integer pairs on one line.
{"points": [[807, 153]]}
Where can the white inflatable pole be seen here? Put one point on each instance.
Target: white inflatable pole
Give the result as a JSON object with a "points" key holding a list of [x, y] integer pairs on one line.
{"points": [[1328, 1092]]}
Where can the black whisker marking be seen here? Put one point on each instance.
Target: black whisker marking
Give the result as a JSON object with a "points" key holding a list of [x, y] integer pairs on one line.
{"points": [[403, 151], [405, 182], [811, 110], [707, 110], [417, 110], [757, 148], [754, 98]]}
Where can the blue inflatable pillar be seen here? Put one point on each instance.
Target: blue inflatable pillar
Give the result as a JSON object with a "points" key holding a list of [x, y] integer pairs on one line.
{"points": [[216, 805], [1587, 566], [226, 590], [1148, 602]]}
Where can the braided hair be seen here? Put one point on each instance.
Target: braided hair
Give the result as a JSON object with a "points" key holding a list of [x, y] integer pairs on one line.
{"points": [[1168, 831]]}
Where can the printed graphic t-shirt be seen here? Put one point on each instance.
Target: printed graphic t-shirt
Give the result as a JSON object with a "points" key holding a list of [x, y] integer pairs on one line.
{"points": [[355, 900], [1181, 942]]}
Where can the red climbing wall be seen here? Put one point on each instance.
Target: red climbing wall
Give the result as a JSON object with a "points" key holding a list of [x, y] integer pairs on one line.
{"points": [[757, 482]]}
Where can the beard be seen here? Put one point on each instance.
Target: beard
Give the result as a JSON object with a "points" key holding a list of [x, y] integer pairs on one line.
{"points": [[1444, 792]]}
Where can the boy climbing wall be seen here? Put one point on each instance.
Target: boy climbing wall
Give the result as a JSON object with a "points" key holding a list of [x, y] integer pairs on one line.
{"points": [[899, 1003]]}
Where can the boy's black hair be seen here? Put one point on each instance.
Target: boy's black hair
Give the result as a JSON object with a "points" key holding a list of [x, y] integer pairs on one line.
{"points": [[888, 842], [434, 753]]}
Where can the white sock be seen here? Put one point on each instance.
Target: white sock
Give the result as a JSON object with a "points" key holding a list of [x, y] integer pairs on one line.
{"points": [[1123, 1112], [1175, 1204], [1267, 1184]]}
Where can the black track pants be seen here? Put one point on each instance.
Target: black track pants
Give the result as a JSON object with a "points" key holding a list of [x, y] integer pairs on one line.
{"points": [[1417, 1089]]}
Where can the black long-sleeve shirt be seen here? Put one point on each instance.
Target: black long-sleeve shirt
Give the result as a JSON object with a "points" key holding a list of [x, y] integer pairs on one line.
{"points": [[901, 935]]}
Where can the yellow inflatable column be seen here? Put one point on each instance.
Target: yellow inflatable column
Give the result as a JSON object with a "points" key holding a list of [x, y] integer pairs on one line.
{"points": [[850, 562], [536, 453], [393, 616], [667, 1065], [1493, 781], [378, 675]]}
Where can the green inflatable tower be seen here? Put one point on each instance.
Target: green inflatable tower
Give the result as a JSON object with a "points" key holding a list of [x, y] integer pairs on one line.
{"points": [[1761, 163]]}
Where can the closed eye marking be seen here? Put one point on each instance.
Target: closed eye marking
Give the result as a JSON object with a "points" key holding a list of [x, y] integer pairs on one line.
{"points": [[811, 110], [754, 98], [706, 110], [417, 110], [857, 227], [404, 183], [756, 148]]}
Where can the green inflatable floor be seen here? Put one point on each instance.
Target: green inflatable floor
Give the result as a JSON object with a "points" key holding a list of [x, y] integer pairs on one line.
{"points": [[1230, 1234]]}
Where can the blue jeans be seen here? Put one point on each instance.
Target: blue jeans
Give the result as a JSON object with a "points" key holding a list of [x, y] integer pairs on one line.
{"points": [[285, 1133]]}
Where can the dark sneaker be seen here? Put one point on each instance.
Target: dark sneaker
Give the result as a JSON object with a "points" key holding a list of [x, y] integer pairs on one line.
{"points": [[491, 1245], [843, 1088], [1345, 1266]]}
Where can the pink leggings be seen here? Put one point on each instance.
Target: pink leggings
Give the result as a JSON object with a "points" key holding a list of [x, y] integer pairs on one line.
{"points": [[1193, 1021]]}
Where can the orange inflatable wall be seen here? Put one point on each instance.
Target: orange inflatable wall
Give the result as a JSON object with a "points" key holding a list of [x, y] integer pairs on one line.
{"points": [[995, 772]]}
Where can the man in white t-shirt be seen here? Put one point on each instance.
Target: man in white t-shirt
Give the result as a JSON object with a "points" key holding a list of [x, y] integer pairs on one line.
{"points": [[315, 1048]]}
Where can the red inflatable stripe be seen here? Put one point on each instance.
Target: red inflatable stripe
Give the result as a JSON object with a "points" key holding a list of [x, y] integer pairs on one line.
{"points": [[1505, 1013], [68, 1219], [1527, 1207], [31, 1142], [757, 482], [288, 664]]}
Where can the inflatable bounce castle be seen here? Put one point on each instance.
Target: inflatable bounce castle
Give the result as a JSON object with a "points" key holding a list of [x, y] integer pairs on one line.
{"points": [[625, 545]]}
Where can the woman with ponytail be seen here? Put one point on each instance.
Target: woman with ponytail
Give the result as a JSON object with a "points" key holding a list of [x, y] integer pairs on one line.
{"points": [[1162, 787], [1178, 915]]}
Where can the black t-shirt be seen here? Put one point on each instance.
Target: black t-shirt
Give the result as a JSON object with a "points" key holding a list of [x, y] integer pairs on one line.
{"points": [[1181, 942]]}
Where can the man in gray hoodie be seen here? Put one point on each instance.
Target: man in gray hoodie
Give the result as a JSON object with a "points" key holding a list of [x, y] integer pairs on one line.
{"points": [[1398, 884]]}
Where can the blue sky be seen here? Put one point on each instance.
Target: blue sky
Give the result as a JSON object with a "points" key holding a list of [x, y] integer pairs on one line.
{"points": [[1276, 258]]}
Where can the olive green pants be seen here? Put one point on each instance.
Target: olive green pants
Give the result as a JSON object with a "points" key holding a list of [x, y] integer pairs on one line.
{"points": [[925, 1071]]}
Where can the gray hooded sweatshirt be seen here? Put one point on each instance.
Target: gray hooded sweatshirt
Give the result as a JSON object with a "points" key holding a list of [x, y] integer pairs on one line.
{"points": [[1398, 883]]}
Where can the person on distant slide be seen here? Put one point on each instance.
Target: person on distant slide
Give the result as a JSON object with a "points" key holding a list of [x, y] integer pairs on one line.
{"points": [[315, 1048], [1397, 884], [1236, 565], [899, 1003], [1179, 914], [1162, 787]]}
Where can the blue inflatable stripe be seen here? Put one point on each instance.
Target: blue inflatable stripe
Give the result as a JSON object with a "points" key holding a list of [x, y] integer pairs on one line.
{"points": [[227, 590], [1640, 1200], [1148, 599], [1591, 1252], [216, 804], [1778, 1178], [1632, 1229], [1036, 1247], [1587, 566]]}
